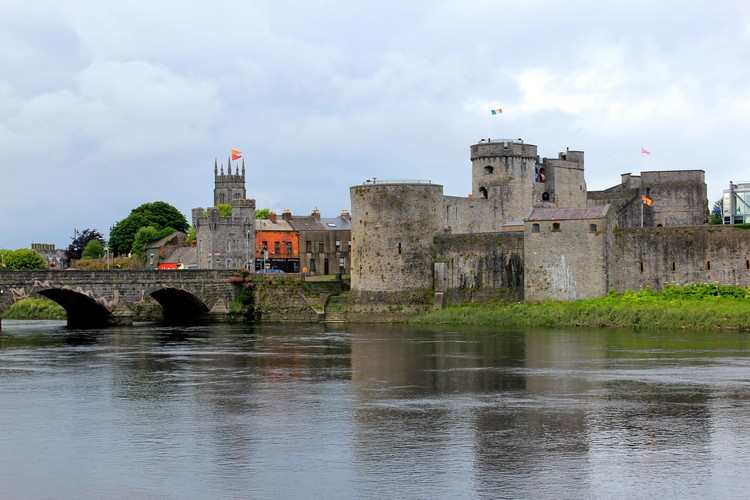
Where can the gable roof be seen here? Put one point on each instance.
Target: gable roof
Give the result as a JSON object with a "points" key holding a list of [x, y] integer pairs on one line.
{"points": [[583, 213]]}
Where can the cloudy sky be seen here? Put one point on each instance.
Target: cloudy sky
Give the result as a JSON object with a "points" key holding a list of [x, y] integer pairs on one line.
{"points": [[106, 105]]}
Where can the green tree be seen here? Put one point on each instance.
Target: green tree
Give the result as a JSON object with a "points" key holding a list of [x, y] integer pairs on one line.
{"points": [[158, 214], [262, 213], [716, 216], [94, 250], [224, 209], [143, 237], [24, 258], [80, 240], [192, 235]]}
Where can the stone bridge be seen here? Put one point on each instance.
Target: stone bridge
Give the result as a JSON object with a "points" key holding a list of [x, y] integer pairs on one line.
{"points": [[105, 298]]}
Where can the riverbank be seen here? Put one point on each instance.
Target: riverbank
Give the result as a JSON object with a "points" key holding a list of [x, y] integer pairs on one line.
{"points": [[698, 307]]}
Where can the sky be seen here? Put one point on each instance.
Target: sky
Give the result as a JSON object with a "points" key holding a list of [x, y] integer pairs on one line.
{"points": [[107, 105]]}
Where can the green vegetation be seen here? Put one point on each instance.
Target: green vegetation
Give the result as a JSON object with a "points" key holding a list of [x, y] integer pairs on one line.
{"points": [[23, 258], [33, 308], [699, 307], [262, 213], [158, 214], [93, 250]]}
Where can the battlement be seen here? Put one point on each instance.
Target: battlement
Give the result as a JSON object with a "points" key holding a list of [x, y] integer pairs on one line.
{"points": [[487, 148]]}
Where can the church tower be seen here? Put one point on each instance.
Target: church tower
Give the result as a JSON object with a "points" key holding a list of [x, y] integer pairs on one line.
{"points": [[229, 186]]}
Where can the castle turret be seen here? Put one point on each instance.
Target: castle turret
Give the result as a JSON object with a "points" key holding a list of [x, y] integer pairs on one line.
{"points": [[393, 227], [504, 171]]}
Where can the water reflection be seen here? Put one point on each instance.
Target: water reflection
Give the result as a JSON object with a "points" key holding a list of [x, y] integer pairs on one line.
{"points": [[361, 411]]}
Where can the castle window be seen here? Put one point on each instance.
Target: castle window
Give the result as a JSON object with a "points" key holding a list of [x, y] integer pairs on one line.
{"points": [[640, 265], [535, 227], [399, 248], [592, 228], [674, 267], [545, 196], [747, 264], [489, 169], [483, 192], [708, 265], [556, 226]]}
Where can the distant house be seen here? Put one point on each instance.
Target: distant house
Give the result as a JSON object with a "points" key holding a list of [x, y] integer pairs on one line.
{"points": [[53, 256], [325, 243], [157, 251]]}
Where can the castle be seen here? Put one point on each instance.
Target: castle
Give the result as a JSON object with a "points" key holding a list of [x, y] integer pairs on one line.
{"points": [[530, 230]]}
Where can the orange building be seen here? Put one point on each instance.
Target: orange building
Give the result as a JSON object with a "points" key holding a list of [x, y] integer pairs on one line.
{"points": [[276, 245]]}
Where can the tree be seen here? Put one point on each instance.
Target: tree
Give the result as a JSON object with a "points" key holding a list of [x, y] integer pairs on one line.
{"points": [[158, 214], [716, 216], [262, 213], [24, 258], [80, 240], [94, 250], [224, 209], [192, 235]]}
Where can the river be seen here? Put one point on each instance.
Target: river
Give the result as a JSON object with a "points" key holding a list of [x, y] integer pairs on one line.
{"points": [[371, 411]]}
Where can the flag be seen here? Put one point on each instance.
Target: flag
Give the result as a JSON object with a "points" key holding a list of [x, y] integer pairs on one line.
{"points": [[496, 111], [236, 155], [646, 201], [644, 152]]}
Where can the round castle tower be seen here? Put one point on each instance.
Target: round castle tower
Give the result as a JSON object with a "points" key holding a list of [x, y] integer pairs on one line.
{"points": [[505, 170], [393, 226]]}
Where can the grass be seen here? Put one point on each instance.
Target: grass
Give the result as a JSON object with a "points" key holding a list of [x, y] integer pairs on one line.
{"points": [[699, 307], [33, 308]]}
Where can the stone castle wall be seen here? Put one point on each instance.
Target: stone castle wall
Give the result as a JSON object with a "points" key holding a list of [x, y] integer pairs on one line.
{"points": [[653, 257], [481, 267]]}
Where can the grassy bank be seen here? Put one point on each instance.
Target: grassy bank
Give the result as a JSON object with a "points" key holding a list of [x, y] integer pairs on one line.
{"points": [[32, 308], [700, 307]]}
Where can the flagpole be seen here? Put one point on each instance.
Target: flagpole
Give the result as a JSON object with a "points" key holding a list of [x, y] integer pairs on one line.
{"points": [[642, 203]]}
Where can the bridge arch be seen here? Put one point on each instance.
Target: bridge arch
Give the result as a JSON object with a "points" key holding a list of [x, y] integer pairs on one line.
{"points": [[82, 310], [179, 306]]}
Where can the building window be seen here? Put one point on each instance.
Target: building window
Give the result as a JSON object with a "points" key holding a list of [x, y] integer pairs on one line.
{"points": [[342, 265], [308, 246], [312, 265], [276, 247], [289, 248], [321, 247], [556, 226], [592, 228], [263, 246], [349, 247], [535, 227], [489, 169], [483, 192], [338, 245]]}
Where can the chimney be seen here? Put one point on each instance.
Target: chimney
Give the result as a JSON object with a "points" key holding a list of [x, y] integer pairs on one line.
{"points": [[286, 214], [272, 217], [315, 214], [345, 215]]}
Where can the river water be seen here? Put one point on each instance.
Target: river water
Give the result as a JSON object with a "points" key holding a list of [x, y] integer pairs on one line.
{"points": [[366, 411]]}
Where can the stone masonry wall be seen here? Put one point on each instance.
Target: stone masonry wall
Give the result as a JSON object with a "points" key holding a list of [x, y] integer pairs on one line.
{"points": [[654, 257], [482, 267]]}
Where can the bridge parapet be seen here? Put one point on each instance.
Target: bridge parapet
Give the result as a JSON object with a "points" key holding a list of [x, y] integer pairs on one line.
{"points": [[101, 298]]}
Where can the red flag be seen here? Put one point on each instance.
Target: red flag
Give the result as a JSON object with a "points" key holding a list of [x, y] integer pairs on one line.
{"points": [[644, 152], [236, 155]]}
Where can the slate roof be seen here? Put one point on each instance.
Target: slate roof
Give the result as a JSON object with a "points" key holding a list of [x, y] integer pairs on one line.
{"points": [[280, 225], [585, 213]]}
